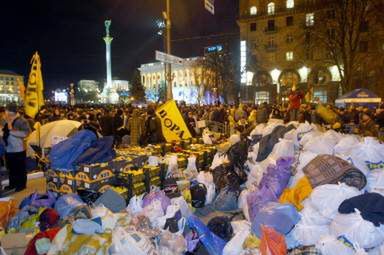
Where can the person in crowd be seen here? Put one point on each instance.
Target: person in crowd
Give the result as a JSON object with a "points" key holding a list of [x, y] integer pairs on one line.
{"points": [[152, 127], [106, 123], [379, 116], [14, 132], [135, 127], [294, 98], [367, 126], [262, 113]]}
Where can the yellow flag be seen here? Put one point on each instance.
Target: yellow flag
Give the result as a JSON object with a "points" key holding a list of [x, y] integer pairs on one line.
{"points": [[172, 123], [34, 98]]}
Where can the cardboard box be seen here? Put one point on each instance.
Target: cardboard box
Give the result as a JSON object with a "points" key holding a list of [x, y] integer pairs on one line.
{"points": [[152, 171], [119, 164], [97, 185], [52, 186], [94, 174]]}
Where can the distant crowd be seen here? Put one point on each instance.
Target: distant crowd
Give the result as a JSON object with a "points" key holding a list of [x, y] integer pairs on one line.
{"points": [[142, 125]]}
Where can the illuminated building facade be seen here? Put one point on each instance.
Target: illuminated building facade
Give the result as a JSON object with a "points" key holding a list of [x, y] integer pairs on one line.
{"points": [[11, 85], [188, 80], [273, 54]]}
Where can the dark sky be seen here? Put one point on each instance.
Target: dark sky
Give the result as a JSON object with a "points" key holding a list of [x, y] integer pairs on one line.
{"points": [[68, 34]]}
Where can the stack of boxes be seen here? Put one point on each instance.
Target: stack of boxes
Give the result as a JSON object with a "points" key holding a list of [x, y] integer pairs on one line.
{"points": [[128, 170]]}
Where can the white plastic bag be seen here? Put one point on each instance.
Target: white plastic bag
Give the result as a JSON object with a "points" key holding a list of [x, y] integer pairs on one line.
{"points": [[368, 155], [153, 161], [173, 167], [329, 245], [345, 146], [206, 137], [153, 211], [131, 243], [135, 205], [235, 245], [284, 148], [320, 145], [327, 198], [309, 136], [357, 230], [191, 171], [258, 130], [183, 205], [308, 235], [218, 160], [206, 178], [240, 225], [310, 216]]}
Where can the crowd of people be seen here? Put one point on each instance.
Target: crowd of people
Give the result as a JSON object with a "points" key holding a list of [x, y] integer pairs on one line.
{"points": [[133, 125], [143, 126]]}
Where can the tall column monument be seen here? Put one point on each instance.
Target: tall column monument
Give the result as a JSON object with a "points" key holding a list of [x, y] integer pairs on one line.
{"points": [[109, 94]]}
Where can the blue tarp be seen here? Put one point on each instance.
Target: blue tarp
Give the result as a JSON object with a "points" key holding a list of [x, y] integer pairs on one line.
{"points": [[64, 154], [100, 151], [359, 97]]}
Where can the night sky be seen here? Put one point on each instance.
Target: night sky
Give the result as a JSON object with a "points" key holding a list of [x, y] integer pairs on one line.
{"points": [[68, 34]]}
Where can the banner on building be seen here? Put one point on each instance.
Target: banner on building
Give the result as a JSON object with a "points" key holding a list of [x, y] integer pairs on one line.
{"points": [[34, 98], [172, 122]]}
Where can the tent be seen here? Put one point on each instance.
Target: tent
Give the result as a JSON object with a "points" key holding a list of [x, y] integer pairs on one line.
{"points": [[361, 96]]}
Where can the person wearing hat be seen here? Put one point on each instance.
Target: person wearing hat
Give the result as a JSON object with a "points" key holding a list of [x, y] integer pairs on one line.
{"points": [[15, 130]]}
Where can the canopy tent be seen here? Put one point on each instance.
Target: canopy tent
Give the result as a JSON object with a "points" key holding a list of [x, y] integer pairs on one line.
{"points": [[50, 134], [359, 97]]}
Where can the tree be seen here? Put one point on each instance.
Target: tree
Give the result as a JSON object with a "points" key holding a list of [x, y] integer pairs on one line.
{"points": [[340, 30], [219, 75], [136, 88]]}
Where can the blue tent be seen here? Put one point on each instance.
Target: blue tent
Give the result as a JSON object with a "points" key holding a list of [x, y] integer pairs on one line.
{"points": [[361, 96]]}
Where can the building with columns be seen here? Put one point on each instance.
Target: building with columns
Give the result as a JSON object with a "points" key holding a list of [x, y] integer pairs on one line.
{"points": [[188, 81], [275, 55], [11, 85]]}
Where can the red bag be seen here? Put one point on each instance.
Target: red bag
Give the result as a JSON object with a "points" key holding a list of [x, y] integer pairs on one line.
{"points": [[272, 242]]}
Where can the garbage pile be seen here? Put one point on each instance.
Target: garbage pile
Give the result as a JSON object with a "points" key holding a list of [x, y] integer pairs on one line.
{"points": [[286, 189]]}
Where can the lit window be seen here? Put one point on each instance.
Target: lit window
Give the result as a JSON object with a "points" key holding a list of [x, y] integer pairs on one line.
{"points": [[310, 19], [243, 61], [290, 4], [289, 55], [262, 97], [321, 95], [253, 10], [271, 8]]}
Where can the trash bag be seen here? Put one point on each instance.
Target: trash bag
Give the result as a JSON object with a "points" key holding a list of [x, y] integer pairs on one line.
{"points": [[67, 204], [297, 194], [330, 245], [207, 179], [212, 243], [226, 200], [242, 203], [198, 194], [88, 196], [157, 195], [326, 199], [135, 205], [308, 234], [256, 200], [172, 244], [346, 145], [39, 200], [357, 230], [131, 243], [221, 226], [235, 245], [272, 243], [278, 216]]}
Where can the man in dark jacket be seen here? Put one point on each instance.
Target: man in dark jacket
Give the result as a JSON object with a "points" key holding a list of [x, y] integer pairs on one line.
{"points": [[106, 123]]}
